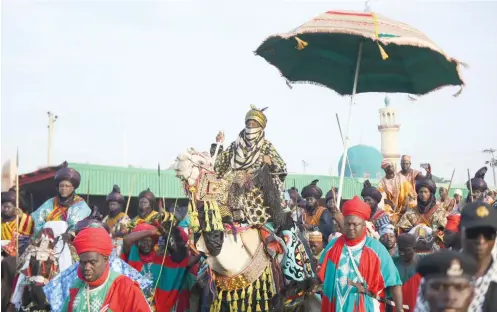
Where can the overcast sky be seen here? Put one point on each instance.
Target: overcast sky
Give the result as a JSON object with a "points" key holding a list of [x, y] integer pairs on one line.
{"points": [[168, 75]]}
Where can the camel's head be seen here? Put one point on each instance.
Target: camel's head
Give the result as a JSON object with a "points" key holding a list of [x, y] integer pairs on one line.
{"points": [[189, 164]]}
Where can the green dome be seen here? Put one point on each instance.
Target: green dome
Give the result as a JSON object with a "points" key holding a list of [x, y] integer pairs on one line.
{"points": [[363, 160]]}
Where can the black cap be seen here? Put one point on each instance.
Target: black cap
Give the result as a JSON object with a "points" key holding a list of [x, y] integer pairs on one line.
{"points": [[478, 214], [448, 263]]}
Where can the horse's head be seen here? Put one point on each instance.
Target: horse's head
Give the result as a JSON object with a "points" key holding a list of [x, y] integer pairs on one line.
{"points": [[189, 164], [39, 252], [41, 267], [45, 240]]}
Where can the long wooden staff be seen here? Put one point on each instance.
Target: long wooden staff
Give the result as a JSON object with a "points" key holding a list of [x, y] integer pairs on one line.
{"points": [[17, 206], [130, 193], [348, 161], [451, 179], [160, 190], [158, 177], [88, 193], [470, 187], [450, 184]]}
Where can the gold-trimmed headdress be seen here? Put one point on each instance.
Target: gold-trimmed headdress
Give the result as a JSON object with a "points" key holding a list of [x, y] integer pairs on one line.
{"points": [[257, 114]]}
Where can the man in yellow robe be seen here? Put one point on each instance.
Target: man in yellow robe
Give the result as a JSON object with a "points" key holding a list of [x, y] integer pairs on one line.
{"points": [[9, 217], [147, 213], [410, 174], [398, 193]]}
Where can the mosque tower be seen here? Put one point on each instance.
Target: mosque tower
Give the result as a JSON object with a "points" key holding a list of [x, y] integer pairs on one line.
{"points": [[389, 130]]}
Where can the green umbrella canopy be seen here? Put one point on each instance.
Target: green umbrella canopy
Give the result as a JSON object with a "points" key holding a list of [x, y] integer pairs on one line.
{"points": [[396, 58]]}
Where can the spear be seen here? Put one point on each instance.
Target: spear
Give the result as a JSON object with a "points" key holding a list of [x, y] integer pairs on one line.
{"points": [[158, 176], [451, 179], [470, 187], [130, 194], [160, 189], [17, 205], [88, 193]]}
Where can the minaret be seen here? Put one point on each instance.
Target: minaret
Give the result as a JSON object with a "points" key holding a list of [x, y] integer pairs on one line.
{"points": [[389, 129]]}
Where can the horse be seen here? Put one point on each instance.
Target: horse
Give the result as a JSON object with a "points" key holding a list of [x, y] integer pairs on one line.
{"points": [[37, 266], [269, 256]]}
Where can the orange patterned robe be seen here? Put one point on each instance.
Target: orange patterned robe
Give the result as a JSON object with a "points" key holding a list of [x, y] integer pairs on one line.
{"points": [[25, 227]]}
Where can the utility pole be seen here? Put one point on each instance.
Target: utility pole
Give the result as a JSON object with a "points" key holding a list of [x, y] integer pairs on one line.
{"points": [[304, 164], [492, 162], [51, 120]]}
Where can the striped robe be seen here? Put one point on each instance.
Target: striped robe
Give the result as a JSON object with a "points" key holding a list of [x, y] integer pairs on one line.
{"points": [[26, 226]]}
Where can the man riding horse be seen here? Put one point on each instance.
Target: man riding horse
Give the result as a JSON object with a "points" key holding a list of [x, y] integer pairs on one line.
{"points": [[239, 194]]}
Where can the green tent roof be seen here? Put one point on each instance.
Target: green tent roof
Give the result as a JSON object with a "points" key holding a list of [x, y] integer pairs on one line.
{"points": [[100, 180]]}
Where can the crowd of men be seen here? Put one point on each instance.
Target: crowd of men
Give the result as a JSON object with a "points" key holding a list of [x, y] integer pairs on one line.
{"points": [[396, 248]]}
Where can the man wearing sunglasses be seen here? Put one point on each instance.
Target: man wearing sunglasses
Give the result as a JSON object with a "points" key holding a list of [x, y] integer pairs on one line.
{"points": [[478, 232]]}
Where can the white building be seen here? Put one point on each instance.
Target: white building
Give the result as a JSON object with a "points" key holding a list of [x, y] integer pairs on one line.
{"points": [[389, 129]]}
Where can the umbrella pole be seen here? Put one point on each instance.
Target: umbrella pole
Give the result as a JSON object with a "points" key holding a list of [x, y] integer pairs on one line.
{"points": [[346, 144]]}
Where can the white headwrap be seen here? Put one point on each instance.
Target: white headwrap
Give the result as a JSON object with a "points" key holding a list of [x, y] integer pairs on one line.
{"points": [[387, 229]]}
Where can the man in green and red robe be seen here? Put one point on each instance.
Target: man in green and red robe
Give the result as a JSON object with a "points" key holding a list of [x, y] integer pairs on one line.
{"points": [[406, 264], [97, 287], [355, 264], [139, 248], [172, 272]]}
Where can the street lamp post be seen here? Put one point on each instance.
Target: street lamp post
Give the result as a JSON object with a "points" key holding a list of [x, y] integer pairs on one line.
{"points": [[51, 120], [304, 164], [492, 162]]}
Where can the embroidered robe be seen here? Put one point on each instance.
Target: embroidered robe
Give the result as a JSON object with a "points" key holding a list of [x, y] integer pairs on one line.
{"points": [[117, 223], [150, 218], [117, 293], [59, 287], [338, 266], [52, 211], [436, 216]]}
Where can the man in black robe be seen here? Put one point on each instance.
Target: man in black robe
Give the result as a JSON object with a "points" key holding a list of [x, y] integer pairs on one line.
{"points": [[477, 185], [316, 216], [372, 197]]}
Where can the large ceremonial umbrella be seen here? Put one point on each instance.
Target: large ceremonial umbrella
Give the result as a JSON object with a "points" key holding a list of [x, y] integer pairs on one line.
{"points": [[355, 52]]}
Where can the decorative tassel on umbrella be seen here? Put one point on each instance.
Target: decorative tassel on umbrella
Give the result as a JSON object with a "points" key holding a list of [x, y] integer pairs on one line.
{"points": [[331, 48]]}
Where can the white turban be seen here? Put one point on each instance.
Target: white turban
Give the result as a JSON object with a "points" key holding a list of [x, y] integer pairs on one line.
{"points": [[387, 229], [458, 192]]}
